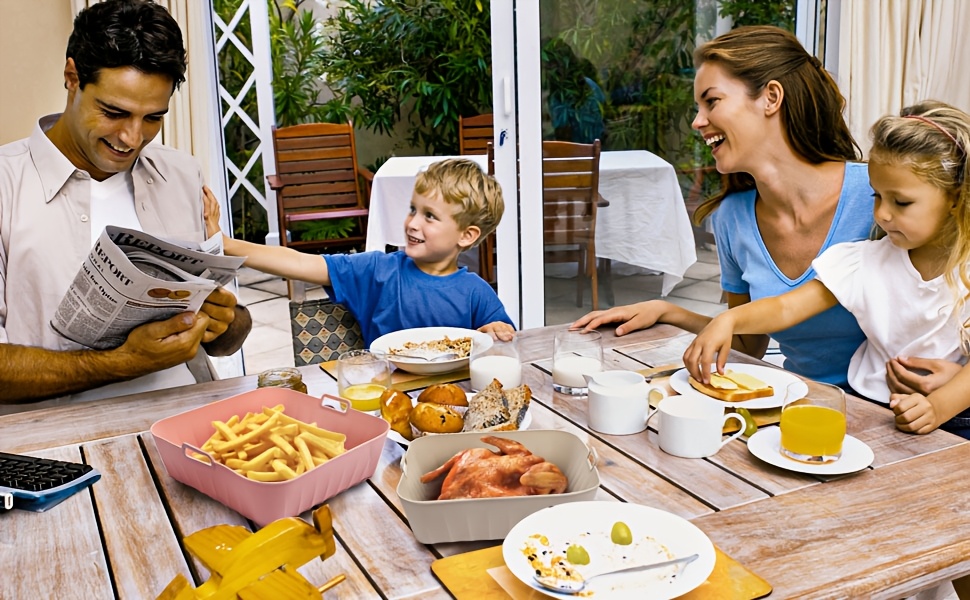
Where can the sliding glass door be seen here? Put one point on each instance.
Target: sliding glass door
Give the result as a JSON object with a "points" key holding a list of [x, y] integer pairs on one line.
{"points": [[620, 72]]}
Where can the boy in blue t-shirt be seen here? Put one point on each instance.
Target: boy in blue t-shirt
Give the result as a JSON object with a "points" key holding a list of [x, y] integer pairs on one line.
{"points": [[454, 206]]}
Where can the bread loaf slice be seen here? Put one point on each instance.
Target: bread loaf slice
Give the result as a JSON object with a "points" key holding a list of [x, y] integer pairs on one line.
{"points": [[727, 393], [487, 409], [518, 400]]}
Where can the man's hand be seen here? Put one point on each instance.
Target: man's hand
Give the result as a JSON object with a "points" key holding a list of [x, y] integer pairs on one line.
{"points": [[634, 317], [229, 323], [906, 375], [499, 330], [210, 212], [220, 308], [162, 344], [914, 413]]}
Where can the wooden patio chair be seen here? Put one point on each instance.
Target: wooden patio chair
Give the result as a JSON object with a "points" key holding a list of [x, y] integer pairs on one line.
{"points": [[318, 179], [475, 135], [570, 198]]}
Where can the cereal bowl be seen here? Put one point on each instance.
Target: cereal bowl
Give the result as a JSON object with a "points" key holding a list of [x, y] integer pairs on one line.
{"points": [[397, 341]]}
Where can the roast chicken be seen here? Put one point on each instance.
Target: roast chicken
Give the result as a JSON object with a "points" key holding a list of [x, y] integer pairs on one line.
{"points": [[482, 473]]}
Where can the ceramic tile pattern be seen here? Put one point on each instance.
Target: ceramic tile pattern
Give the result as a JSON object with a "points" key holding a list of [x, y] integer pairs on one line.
{"points": [[270, 343]]}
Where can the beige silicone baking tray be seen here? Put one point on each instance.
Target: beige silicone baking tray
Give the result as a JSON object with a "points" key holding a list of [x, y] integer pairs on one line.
{"points": [[434, 521]]}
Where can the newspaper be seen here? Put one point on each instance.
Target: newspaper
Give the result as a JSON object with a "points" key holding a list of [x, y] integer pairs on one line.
{"points": [[130, 278]]}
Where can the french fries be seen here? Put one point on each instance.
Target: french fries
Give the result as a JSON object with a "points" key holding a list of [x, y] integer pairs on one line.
{"points": [[271, 446]]}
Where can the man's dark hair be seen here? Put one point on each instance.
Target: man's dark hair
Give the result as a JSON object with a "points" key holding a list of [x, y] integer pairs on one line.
{"points": [[127, 33]]}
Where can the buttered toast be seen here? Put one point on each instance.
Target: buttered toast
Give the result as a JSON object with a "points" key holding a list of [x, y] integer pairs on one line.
{"points": [[733, 387]]}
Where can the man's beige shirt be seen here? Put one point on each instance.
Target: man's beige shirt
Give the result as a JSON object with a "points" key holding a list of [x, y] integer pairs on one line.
{"points": [[45, 228]]}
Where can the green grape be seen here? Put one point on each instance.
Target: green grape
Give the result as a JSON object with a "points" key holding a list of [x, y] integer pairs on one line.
{"points": [[621, 534], [750, 427], [577, 555]]}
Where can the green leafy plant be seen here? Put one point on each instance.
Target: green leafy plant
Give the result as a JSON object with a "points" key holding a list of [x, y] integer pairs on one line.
{"points": [[780, 13], [296, 41], [424, 61], [643, 52], [323, 230]]}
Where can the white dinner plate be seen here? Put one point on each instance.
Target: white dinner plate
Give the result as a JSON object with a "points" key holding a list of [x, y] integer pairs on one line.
{"points": [[397, 437], [397, 339], [766, 445], [589, 524], [776, 378]]}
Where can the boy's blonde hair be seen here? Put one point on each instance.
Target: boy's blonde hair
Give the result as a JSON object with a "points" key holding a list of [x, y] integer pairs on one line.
{"points": [[931, 139], [462, 182]]}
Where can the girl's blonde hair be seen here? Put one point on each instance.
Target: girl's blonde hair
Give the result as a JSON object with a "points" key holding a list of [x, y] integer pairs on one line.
{"points": [[931, 139], [462, 182]]}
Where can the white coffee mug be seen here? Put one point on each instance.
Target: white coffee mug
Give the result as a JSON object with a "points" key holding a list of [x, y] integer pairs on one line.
{"points": [[619, 402], [691, 427]]}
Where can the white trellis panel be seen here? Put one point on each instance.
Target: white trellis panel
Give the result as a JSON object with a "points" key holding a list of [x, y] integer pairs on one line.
{"points": [[262, 78]]}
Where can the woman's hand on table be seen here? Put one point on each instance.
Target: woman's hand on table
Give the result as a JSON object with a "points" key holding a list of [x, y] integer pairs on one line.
{"points": [[712, 344], [633, 317], [499, 330], [913, 375]]}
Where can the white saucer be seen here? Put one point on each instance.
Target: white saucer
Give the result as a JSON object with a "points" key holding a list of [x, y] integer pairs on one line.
{"points": [[766, 445]]}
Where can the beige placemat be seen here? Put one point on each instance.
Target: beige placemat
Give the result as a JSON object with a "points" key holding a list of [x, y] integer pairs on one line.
{"points": [[406, 382], [482, 575]]}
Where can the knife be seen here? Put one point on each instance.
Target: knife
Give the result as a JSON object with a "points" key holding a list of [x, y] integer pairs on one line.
{"points": [[663, 373]]}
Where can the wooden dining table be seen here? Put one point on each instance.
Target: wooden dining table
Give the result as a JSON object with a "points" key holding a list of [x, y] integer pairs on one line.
{"points": [[890, 530]]}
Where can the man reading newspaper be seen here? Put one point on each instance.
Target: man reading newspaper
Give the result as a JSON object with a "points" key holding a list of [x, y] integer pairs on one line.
{"points": [[83, 170], [131, 278]]}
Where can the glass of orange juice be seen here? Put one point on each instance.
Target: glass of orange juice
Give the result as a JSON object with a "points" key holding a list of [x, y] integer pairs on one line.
{"points": [[813, 427], [362, 376]]}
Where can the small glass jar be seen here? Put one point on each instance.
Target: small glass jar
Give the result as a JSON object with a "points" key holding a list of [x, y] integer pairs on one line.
{"points": [[284, 377]]}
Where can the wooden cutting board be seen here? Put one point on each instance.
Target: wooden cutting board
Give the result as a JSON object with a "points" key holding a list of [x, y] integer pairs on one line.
{"points": [[406, 382], [466, 577]]}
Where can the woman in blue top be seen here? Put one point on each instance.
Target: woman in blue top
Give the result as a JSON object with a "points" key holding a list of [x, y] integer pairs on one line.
{"points": [[772, 117]]}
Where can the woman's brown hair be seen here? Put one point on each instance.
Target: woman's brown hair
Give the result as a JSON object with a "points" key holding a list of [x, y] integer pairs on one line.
{"points": [[812, 104]]}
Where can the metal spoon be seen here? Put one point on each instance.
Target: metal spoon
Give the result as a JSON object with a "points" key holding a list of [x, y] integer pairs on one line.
{"points": [[432, 358], [570, 586]]}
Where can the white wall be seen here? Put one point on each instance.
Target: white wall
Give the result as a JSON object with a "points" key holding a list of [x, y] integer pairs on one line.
{"points": [[33, 38]]}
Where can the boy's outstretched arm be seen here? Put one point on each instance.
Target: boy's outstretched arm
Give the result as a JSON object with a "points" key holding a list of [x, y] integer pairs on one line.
{"points": [[277, 260], [767, 315], [499, 330]]}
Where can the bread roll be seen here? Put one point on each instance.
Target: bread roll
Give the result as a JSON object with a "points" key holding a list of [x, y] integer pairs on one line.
{"points": [[429, 417], [444, 393], [395, 409]]}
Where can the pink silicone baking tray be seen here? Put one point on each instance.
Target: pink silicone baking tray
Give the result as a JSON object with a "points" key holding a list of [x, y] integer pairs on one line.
{"points": [[179, 435]]}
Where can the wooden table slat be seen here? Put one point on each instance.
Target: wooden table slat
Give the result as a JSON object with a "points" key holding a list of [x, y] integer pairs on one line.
{"points": [[859, 540], [143, 549], [28, 541]]}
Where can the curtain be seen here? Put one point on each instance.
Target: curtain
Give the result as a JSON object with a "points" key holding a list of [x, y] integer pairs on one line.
{"points": [[894, 53]]}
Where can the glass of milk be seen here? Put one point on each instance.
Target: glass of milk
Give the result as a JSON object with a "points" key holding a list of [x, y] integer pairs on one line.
{"points": [[500, 361], [575, 353]]}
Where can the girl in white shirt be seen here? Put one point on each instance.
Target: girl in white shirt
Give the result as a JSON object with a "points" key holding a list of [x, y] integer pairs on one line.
{"points": [[908, 290]]}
